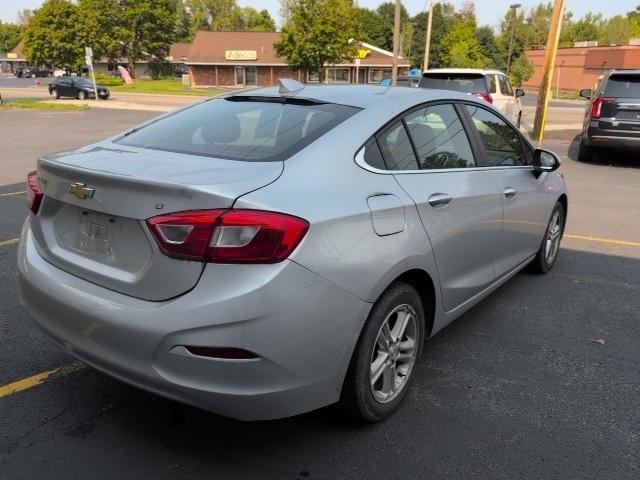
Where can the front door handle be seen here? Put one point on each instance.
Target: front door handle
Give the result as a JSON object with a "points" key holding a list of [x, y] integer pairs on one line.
{"points": [[439, 200], [510, 192]]}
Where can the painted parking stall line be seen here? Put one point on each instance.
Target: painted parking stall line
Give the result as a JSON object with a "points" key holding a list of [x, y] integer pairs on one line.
{"points": [[12, 194], [613, 241], [39, 379], [6, 243]]}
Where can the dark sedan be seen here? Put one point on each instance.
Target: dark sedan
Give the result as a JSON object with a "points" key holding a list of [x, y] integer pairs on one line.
{"points": [[76, 87]]}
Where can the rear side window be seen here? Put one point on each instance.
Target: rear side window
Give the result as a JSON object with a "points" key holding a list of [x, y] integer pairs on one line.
{"points": [[505, 86], [623, 86], [241, 128], [439, 138], [466, 83], [396, 148]]}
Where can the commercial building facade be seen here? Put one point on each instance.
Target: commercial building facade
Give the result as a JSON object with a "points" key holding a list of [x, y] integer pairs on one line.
{"points": [[239, 59], [581, 67]]}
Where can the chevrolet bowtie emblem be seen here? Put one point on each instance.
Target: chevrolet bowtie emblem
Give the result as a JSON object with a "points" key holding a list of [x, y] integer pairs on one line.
{"points": [[81, 190]]}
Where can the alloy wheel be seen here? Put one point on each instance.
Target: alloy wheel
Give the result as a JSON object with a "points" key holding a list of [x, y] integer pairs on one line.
{"points": [[394, 353], [554, 232]]}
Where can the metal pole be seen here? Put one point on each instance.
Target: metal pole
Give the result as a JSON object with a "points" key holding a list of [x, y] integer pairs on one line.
{"points": [[513, 8], [396, 43], [547, 73], [427, 42], [93, 79]]}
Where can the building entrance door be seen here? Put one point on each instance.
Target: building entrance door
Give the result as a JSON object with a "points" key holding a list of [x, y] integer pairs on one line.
{"points": [[239, 74]]}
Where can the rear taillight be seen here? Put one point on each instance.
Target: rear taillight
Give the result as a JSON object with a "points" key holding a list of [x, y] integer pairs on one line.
{"points": [[228, 236], [596, 107], [34, 192], [484, 96]]}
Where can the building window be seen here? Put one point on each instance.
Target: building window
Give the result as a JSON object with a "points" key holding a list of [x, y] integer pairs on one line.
{"points": [[338, 75], [313, 77], [376, 75]]}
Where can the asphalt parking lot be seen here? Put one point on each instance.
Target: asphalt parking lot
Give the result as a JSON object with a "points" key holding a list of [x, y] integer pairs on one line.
{"points": [[540, 380]]}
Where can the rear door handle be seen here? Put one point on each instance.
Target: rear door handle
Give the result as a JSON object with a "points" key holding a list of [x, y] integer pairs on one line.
{"points": [[439, 200], [510, 192]]}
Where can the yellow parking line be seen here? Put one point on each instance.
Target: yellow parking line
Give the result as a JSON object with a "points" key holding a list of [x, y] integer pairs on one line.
{"points": [[6, 243], [12, 194], [589, 238], [36, 380]]}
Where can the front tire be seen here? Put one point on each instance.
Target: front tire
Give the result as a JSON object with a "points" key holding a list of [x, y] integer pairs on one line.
{"points": [[82, 95], [383, 363], [548, 251], [55, 94]]}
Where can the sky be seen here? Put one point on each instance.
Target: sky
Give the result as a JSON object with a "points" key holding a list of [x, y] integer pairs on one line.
{"points": [[489, 12]]}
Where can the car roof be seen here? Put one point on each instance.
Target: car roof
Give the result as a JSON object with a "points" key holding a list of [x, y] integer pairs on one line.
{"points": [[625, 72], [482, 71], [361, 96]]}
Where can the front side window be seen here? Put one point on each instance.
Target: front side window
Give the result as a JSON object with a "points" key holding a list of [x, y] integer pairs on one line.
{"points": [[396, 148], [241, 128], [501, 142], [439, 138], [505, 86]]}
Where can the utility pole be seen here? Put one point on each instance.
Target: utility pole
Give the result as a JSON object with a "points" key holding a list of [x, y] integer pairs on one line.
{"points": [[547, 72], [396, 43], [513, 8], [427, 42]]}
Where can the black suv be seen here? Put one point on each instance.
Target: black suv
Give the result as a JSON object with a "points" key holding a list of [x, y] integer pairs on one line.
{"points": [[76, 87], [612, 118]]}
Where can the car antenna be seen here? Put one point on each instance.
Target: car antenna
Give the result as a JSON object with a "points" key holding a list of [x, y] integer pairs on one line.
{"points": [[289, 85]]}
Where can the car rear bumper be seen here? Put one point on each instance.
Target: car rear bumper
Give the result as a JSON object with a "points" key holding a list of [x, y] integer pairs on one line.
{"points": [[303, 328], [605, 138]]}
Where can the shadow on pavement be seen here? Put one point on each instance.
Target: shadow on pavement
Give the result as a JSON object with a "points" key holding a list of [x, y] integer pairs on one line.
{"points": [[609, 157]]}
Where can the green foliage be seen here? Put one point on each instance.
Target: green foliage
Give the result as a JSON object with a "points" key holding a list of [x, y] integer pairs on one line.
{"points": [[183, 27], [461, 47], [52, 38], [318, 33], [521, 70], [97, 23], [253, 20], [386, 13], [10, 35], [145, 27], [159, 69], [108, 81]]}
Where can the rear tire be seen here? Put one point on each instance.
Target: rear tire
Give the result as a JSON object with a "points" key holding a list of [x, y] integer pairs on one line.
{"points": [[388, 348], [548, 251], [585, 153]]}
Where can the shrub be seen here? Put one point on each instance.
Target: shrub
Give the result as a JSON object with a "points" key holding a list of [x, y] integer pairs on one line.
{"points": [[108, 81], [159, 69]]}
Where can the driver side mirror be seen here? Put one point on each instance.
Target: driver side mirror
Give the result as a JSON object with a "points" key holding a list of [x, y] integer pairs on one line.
{"points": [[586, 93], [519, 92], [545, 161]]}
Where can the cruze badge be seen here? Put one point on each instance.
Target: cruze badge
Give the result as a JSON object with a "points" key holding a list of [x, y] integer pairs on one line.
{"points": [[81, 190]]}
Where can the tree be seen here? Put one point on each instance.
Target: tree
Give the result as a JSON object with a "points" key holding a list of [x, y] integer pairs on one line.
{"points": [[51, 37], [617, 31], [371, 25], [319, 33], [587, 28], [460, 45], [521, 70], [98, 27], [146, 28], [10, 35], [387, 11], [253, 20], [24, 16], [184, 23], [214, 15], [486, 38]]}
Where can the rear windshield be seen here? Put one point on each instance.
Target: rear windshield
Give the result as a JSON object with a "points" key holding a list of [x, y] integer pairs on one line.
{"points": [[623, 86], [460, 82], [241, 128]]}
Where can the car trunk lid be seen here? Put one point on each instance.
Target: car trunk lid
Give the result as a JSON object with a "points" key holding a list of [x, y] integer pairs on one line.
{"points": [[92, 219]]}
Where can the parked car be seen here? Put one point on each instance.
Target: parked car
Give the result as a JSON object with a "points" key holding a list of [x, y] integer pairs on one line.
{"points": [[35, 72], [490, 85], [76, 87], [184, 258], [612, 116], [17, 71], [408, 82], [60, 72]]}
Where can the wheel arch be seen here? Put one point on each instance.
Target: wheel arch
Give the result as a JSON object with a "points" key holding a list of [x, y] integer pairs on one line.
{"points": [[564, 201], [423, 283]]}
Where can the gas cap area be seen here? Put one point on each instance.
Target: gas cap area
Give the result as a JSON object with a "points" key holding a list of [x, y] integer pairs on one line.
{"points": [[387, 214]]}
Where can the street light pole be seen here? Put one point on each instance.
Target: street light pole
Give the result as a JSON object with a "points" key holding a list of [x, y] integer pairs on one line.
{"points": [[513, 8], [396, 43], [427, 43]]}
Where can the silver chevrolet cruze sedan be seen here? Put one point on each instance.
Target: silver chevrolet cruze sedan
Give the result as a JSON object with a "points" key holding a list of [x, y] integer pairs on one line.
{"points": [[270, 252]]}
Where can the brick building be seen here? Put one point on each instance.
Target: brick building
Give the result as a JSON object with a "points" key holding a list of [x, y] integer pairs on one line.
{"points": [[236, 59], [578, 67]]}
